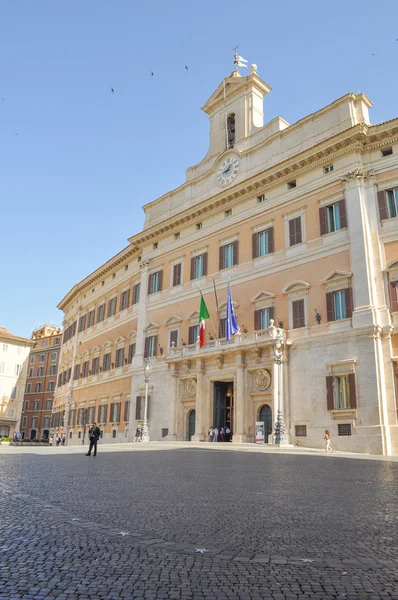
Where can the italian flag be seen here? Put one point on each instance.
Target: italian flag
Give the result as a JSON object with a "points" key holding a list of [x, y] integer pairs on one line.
{"points": [[203, 315]]}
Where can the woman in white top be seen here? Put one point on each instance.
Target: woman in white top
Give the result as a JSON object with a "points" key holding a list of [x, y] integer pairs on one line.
{"points": [[215, 434]]}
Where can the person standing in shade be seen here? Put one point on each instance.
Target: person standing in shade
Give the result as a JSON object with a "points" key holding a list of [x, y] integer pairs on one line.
{"points": [[328, 440], [63, 441], [93, 434], [227, 434], [215, 434], [211, 433]]}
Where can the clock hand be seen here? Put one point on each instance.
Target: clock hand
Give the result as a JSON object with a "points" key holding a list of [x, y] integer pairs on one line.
{"points": [[227, 169]]}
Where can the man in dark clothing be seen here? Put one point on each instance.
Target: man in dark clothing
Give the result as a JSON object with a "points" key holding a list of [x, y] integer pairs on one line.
{"points": [[93, 434]]}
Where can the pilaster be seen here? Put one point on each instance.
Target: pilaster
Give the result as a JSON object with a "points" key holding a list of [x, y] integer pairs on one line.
{"points": [[199, 415], [141, 316], [240, 395]]}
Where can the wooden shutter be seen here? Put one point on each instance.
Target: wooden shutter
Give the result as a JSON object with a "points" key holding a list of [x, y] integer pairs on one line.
{"points": [[271, 240], [222, 258], [127, 410], [193, 268], [353, 390], [382, 200], [257, 319], [155, 345], [221, 332], [191, 334], [105, 413], [348, 302], [330, 306], [298, 313], [205, 261], [111, 413], [329, 392], [394, 296], [343, 214], [146, 348], [160, 281], [174, 338], [299, 234], [323, 220], [255, 249], [138, 408], [177, 274], [292, 237], [150, 283], [117, 412], [235, 246]]}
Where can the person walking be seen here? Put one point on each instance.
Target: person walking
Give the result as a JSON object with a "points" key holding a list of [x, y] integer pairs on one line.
{"points": [[328, 440], [93, 434], [63, 442], [137, 437], [50, 441], [57, 440]]}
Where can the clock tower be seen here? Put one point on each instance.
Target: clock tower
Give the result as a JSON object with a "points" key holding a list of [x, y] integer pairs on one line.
{"points": [[235, 110]]}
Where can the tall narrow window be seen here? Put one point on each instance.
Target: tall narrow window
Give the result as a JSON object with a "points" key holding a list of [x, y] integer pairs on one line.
{"points": [[229, 255], [91, 316], [106, 365], [101, 313], [388, 203], [95, 365], [85, 368], [119, 357], [199, 266], [136, 293], [150, 346], [262, 318], [177, 272], [124, 300], [263, 242], [193, 334], [173, 338], [82, 323], [339, 304], [295, 235], [298, 313], [131, 352], [231, 130], [155, 282], [112, 307]]}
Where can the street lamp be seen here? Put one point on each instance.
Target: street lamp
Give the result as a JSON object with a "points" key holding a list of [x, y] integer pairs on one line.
{"points": [[278, 349], [147, 373]]}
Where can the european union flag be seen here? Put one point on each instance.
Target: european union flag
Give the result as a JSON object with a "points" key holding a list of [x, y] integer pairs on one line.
{"points": [[231, 326]]}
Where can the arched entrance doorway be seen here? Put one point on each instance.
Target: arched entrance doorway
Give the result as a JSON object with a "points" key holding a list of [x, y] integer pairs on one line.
{"points": [[45, 434], [33, 434], [191, 424], [266, 417]]}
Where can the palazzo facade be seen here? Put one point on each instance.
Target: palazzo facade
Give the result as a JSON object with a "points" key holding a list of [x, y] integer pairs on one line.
{"points": [[302, 220]]}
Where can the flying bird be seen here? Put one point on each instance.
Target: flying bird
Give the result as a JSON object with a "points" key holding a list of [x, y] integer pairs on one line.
{"points": [[112, 90], [151, 73], [15, 133], [186, 68]]}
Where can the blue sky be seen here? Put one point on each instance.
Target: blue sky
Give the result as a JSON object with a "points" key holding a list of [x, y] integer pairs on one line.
{"points": [[74, 179]]}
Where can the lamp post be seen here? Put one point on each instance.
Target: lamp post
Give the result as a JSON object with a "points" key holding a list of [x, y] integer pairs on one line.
{"points": [[147, 372], [278, 349]]}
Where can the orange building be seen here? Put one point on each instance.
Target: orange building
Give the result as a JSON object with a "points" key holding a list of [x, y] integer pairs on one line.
{"points": [[41, 382], [302, 219]]}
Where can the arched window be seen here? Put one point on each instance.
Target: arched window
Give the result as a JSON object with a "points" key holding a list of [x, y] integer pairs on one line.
{"points": [[231, 130]]}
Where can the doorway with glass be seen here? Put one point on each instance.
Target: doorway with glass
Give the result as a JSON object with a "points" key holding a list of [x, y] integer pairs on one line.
{"points": [[223, 411]]}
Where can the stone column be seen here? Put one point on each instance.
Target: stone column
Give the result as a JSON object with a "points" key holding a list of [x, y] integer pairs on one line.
{"points": [[173, 404], [360, 248], [239, 435], [199, 416], [138, 359]]}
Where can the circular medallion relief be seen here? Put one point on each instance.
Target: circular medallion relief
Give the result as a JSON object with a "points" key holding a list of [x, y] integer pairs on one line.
{"points": [[190, 387], [262, 379]]}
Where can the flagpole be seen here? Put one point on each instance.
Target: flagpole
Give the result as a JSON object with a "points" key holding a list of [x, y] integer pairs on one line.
{"points": [[218, 310], [211, 320]]}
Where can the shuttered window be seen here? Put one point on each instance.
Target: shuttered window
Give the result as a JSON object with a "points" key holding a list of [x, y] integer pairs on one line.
{"points": [[193, 334], [262, 318], [341, 392], [106, 364], [136, 293], [140, 407], [263, 242], [82, 323], [127, 411], [394, 296], [221, 332], [112, 307], [91, 318], [173, 338], [151, 344], [101, 313], [119, 357], [228, 255], [138, 402], [295, 234], [155, 281], [199, 266], [85, 369], [333, 217], [114, 413], [388, 203], [131, 352], [124, 300], [95, 365], [102, 413], [339, 304], [177, 273], [298, 313]]}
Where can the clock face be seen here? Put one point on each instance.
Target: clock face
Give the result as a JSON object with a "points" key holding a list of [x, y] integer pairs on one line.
{"points": [[228, 170]]}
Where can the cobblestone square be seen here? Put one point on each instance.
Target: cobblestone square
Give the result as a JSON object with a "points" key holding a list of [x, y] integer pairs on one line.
{"points": [[196, 524]]}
